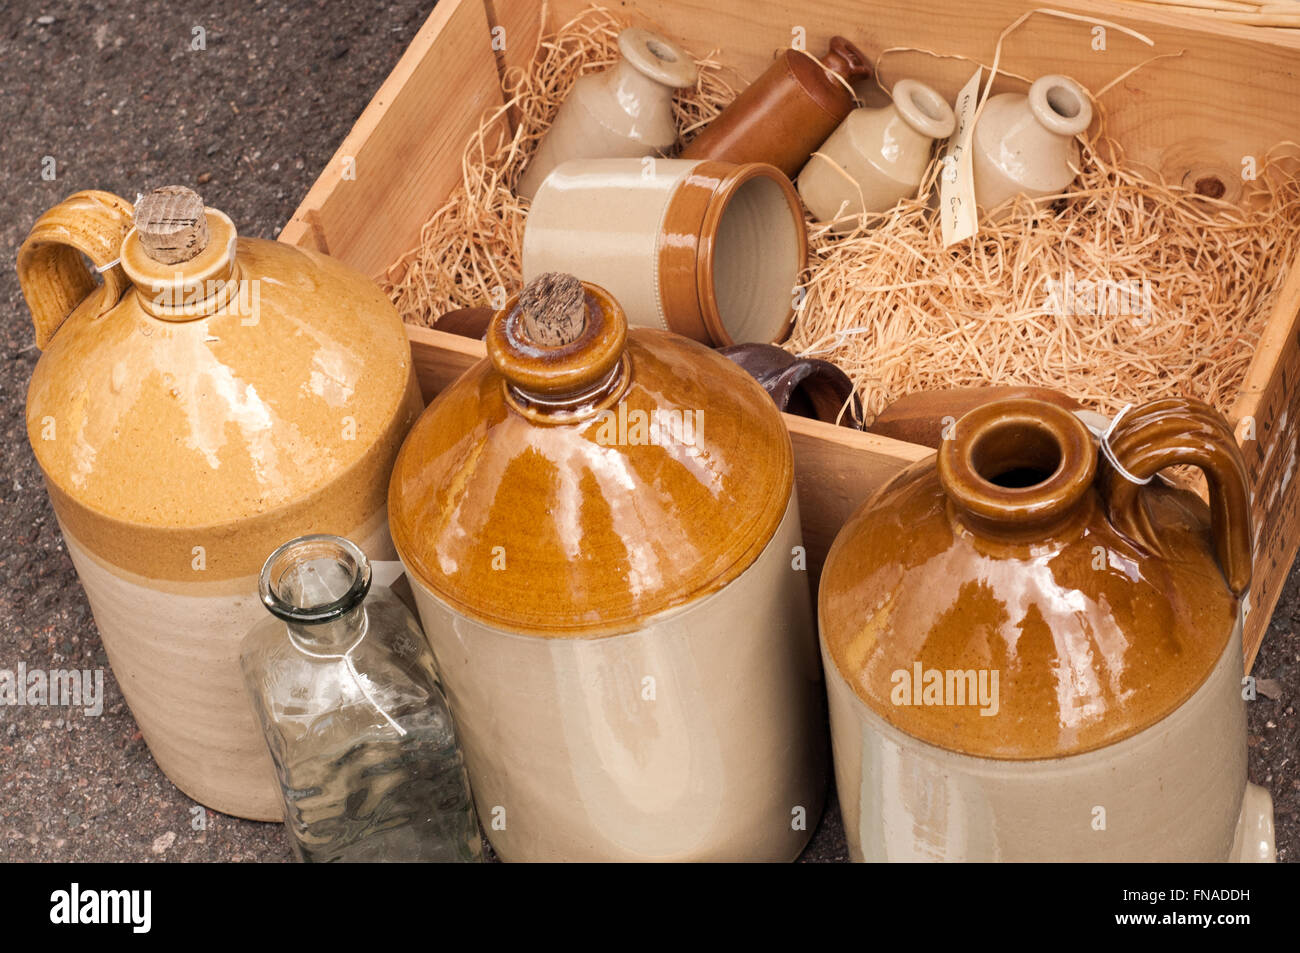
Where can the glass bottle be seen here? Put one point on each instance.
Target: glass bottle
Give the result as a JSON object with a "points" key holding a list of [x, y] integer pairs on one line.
{"points": [[344, 685]]}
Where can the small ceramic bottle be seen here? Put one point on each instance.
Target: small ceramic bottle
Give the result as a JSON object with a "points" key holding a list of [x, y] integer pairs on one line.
{"points": [[600, 527], [710, 250], [212, 396], [876, 157], [787, 112], [1022, 632], [1025, 145], [344, 686], [623, 111]]}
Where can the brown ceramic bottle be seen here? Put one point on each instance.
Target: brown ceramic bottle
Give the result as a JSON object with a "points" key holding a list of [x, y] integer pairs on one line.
{"points": [[600, 527], [1035, 654], [213, 397], [784, 115]]}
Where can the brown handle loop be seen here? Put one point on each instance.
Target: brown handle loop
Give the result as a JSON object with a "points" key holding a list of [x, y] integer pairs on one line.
{"points": [[1181, 431], [51, 270], [847, 60]]}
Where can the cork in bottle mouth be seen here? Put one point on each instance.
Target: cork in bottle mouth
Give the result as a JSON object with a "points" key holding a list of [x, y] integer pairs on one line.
{"points": [[559, 345], [180, 255], [1017, 464]]}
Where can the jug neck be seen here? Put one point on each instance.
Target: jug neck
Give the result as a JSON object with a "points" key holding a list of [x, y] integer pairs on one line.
{"points": [[318, 585], [634, 90], [188, 289], [1019, 470], [559, 345]]}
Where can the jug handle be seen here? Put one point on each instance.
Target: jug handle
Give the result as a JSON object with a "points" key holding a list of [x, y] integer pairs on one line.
{"points": [[1181, 431], [52, 271]]}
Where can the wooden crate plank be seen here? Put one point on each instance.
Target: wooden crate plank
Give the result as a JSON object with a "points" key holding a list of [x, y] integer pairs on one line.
{"points": [[1267, 420], [406, 147]]}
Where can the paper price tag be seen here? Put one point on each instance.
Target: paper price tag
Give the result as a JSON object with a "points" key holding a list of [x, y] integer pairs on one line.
{"points": [[959, 219]]}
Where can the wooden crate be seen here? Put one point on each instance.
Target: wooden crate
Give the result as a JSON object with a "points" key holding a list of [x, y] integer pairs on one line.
{"points": [[1227, 93]]}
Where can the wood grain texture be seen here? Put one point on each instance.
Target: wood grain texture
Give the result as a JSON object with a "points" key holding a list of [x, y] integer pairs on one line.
{"points": [[1267, 421], [402, 157]]}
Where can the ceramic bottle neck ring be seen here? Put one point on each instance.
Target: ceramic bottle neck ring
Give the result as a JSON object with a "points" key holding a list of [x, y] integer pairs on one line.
{"points": [[923, 109], [648, 58], [565, 382], [1018, 467], [1060, 105], [191, 289]]}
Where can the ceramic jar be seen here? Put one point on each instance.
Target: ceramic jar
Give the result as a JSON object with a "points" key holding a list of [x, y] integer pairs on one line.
{"points": [[1029, 656], [876, 157], [785, 114], [623, 111], [603, 540], [189, 417], [1025, 145], [710, 250]]}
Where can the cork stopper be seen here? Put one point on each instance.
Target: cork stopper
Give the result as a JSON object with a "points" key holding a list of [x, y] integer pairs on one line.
{"points": [[553, 307], [172, 224]]}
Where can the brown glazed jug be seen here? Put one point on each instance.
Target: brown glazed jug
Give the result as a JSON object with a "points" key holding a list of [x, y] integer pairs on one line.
{"points": [[1033, 653], [600, 528], [784, 115], [210, 398]]}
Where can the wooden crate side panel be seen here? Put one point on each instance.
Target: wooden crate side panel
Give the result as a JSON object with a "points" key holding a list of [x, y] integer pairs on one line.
{"points": [[516, 28], [1267, 419], [836, 470], [1230, 93], [402, 158]]}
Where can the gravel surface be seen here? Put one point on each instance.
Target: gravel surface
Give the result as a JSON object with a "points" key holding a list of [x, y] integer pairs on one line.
{"points": [[115, 94]]}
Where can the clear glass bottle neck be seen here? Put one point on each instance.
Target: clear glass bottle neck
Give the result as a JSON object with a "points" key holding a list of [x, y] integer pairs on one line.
{"points": [[318, 585]]}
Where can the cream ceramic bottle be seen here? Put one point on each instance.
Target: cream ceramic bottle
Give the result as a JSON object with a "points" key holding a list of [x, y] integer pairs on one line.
{"points": [[626, 110], [1024, 144], [213, 397], [1033, 654], [876, 157], [602, 534]]}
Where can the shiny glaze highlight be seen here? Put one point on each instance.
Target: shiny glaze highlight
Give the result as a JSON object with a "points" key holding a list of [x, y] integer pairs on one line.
{"points": [[535, 525], [1102, 607]]}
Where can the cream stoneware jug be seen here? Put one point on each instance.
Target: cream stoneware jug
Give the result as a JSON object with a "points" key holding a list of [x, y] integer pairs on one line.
{"points": [[623, 111], [1033, 650], [600, 528], [212, 397], [875, 157], [1025, 144]]}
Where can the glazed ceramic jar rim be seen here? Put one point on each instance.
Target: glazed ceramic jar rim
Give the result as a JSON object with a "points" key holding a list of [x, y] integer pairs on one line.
{"points": [[727, 190], [320, 545], [708, 312], [1060, 105], [188, 289], [657, 58], [922, 108], [1039, 436], [566, 382]]}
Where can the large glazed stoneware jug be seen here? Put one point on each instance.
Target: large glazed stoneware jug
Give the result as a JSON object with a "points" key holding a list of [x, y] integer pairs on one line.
{"points": [[211, 398], [601, 531], [1033, 650]]}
